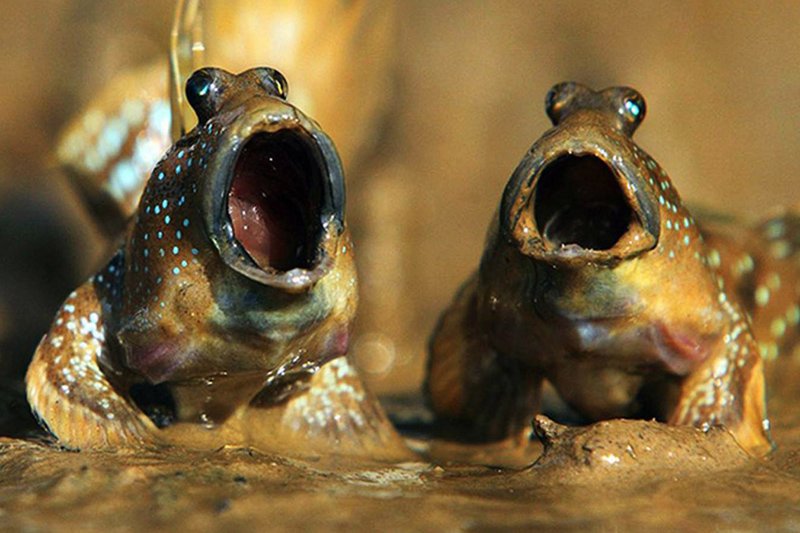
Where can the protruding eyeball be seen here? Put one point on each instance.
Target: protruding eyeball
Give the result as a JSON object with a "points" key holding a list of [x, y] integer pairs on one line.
{"points": [[630, 107], [273, 81], [565, 97], [204, 90], [622, 106]]}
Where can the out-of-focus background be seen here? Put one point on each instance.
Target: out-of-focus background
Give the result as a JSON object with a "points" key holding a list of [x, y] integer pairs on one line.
{"points": [[455, 99]]}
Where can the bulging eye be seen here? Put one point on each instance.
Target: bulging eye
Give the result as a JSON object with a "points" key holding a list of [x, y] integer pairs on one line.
{"points": [[273, 82], [198, 85], [203, 92], [632, 108], [563, 98]]}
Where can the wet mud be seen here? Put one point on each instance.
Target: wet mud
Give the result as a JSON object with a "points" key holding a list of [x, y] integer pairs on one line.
{"points": [[613, 475]]}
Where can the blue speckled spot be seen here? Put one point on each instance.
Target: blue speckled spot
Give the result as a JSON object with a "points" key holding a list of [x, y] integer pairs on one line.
{"points": [[160, 176], [157, 210], [146, 236], [185, 222], [161, 252], [184, 263], [158, 280], [189, 162], [195, 251], [181, 154], [146, 252], [176, 271], [178, 235], [175, 250], [167, 219], [178, 169], [164, 204], [160, 234]]}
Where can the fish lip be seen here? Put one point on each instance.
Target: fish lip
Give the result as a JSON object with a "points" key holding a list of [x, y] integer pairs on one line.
{"points": [[516, 210], [271, 115]]}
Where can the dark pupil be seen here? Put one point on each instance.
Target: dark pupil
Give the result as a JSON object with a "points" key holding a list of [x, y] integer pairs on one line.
{"points": [[198, 88]]}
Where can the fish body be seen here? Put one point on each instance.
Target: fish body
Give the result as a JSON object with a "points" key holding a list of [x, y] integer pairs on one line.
{"points": [[224, 317], [598, 279]]}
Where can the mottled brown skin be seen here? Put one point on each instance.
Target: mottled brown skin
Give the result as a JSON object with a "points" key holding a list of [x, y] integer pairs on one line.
{"points": [[224, 317], [596, 278]]}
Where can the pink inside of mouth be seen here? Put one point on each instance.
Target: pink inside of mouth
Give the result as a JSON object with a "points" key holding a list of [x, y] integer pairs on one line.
{"points": [[274, 201]]}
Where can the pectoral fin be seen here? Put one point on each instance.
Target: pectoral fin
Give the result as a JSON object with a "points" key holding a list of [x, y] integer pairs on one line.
{"points": [[69, 392]]}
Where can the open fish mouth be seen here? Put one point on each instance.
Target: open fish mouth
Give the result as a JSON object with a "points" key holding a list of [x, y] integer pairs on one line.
{"points": [[275, 200], [275, 208], [579, 201], [575, 205]]}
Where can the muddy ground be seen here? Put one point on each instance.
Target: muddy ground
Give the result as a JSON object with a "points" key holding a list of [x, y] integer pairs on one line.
{"points": [[621, 475]]}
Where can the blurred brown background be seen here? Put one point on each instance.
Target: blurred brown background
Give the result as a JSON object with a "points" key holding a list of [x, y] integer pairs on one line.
{"points": [[721, 79]]}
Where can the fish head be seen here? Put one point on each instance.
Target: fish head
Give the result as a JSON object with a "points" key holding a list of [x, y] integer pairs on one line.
{"points": [[606, 248]]}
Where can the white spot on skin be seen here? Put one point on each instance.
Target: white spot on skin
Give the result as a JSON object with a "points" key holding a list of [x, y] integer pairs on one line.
{"points": [[762, 296], [610, 458], [745, 264], [713, 259], [112, 138], [768, 350], [124, 178], [778, 327]]}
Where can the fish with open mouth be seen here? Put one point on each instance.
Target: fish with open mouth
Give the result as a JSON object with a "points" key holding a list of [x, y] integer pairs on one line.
{"points": [[597, 278], [225, 315]]}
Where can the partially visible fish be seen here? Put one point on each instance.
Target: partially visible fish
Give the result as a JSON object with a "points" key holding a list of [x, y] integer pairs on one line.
{"points": [[109, 150], [760, 265]]}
